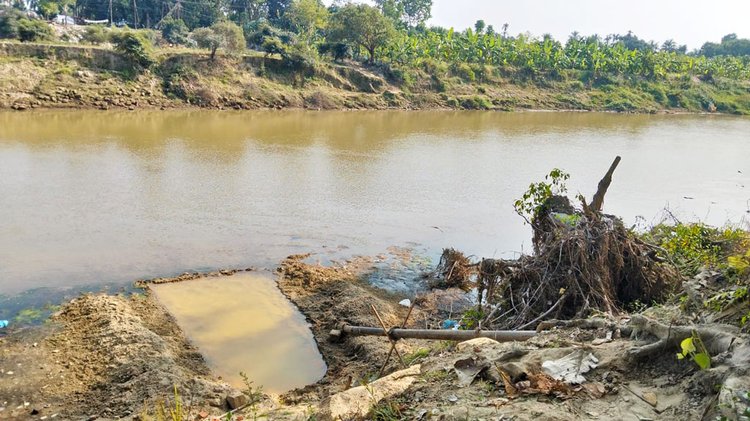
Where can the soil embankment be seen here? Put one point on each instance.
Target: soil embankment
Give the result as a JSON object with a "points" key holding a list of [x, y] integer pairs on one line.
{"points": [[88, 77]]}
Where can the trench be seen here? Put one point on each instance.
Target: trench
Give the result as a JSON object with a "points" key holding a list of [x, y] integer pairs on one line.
{"points": [[242, 323]]}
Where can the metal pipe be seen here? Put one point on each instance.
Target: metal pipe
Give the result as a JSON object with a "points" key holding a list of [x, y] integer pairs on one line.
{"points": [[433, 334]]}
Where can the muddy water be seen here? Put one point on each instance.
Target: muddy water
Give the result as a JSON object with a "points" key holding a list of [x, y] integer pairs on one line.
{"points": [[90, 197], [242, 323]]}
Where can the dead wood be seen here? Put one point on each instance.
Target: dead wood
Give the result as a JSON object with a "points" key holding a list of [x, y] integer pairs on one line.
{"points": [[601, 190]]}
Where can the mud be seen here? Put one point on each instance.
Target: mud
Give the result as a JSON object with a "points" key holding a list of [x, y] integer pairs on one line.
{"points": [[103, 357], [111, 356]]}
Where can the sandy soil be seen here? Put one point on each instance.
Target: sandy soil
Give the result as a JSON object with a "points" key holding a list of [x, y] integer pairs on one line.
{"points": [[111, 356]]}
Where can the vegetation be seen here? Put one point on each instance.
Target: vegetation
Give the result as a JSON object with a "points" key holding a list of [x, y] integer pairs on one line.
{"points": [[225, 35], [619, 72], [134, 47]]}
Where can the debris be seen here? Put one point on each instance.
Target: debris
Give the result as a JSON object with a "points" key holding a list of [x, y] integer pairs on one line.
{"points": [[452, 398], [650, 398], [236, 399], [571, 368], [449, 324], [475, 344], [405, 302], [468, 369], [4, 324], [600, 341], [454, 270], [356, 402]]}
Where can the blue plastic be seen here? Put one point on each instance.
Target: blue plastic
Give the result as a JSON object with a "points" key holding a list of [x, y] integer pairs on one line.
{"points": [[449, 324], [3, 324]]}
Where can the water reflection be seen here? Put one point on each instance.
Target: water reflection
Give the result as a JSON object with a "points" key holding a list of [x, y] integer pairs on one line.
{"points": [[242, 323], [107, 197]]}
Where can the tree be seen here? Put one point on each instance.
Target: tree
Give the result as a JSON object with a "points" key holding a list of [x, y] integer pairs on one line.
{"points": [[417, 11], [277, 8], [409, 12], [226, 35], [479, 26], [306, 17], [174, 31], [361, 25]]}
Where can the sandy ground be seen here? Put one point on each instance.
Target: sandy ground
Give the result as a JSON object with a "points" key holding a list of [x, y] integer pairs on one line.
{"points": [[107, 357]]}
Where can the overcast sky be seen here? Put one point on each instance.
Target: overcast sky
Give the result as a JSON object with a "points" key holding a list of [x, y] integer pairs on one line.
{"points": [[690, 22]]}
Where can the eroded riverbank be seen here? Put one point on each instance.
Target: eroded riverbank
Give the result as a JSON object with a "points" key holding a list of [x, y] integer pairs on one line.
{"points": [[107, 357]]}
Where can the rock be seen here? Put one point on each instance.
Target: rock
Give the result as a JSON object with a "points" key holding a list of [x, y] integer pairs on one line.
{"points": [[356, 402], [236, 399], [474, 344], [650, 397], [600, 341]]}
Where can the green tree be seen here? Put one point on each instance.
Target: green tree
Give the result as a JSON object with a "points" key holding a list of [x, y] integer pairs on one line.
{"points": [[479, 26], [409, 12], [363, 26], [226, 35], [277, 8], [306, 17]]}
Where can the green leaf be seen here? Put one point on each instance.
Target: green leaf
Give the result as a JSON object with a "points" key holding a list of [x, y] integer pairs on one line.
{"points": [[703, 360], [687, 346], [680, 356]]}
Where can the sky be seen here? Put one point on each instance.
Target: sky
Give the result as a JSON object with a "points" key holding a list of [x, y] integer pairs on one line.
{"points": [[690, 22]]}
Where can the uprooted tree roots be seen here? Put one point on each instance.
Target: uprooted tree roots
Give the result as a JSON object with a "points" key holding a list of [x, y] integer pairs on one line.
{"points": [[596, 264], [584, 261]]}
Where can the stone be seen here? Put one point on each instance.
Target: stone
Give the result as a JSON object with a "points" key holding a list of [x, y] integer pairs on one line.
{"points": [[476, 343], [650, 397], [356, 402], [236, 399]]}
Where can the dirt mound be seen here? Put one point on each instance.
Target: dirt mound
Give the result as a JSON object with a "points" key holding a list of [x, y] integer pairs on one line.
{"points": [[108, 356], [329, 296]]}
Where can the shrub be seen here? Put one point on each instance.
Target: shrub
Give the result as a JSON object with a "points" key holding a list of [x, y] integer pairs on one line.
{"points": [[94, 34], [464, 71], [134, 47], [273, 45], [33, 30], [9, 22], [174, 31], [338, 50]]}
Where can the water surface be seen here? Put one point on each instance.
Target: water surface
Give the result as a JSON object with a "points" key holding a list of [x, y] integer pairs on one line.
{"points": [[92, 198], [242, 323]]}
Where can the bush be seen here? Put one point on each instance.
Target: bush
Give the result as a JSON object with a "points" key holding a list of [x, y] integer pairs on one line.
{"points": [[94, 34], [338, 50], [273, 45], [464, 71], [174, 31], [9, 22], [257, 32], [134, 47], [33, 30]]}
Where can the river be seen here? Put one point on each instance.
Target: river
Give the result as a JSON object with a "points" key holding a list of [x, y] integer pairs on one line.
{"points": [[95, 198]]}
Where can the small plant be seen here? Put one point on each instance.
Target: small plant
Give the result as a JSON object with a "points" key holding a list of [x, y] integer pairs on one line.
{"points": [[417, 355], [533, 199], [693, 348], [254, 395], [164, 410]]}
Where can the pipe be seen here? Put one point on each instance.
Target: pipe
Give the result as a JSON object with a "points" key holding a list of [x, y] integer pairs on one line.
{"points": [[433, 334]]}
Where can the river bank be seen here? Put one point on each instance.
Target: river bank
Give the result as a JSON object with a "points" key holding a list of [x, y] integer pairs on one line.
{"points": [[115, 357], [41, 76]]}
